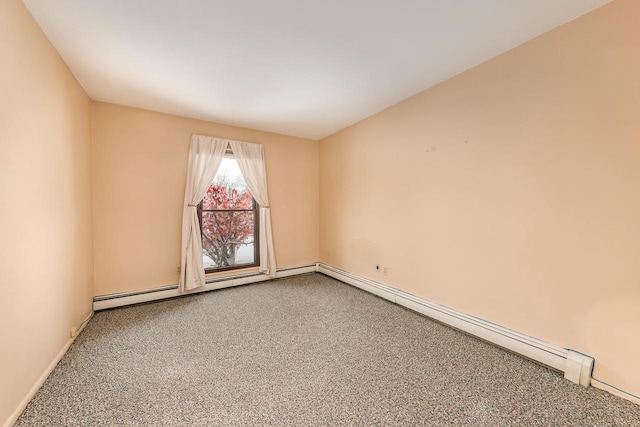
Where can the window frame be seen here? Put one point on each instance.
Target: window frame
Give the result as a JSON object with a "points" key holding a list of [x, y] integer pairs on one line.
{"points": [[256, 230]]}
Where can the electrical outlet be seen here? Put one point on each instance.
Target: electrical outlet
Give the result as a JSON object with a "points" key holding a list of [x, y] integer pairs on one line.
{"points": [[385, 270], [178, 270]]}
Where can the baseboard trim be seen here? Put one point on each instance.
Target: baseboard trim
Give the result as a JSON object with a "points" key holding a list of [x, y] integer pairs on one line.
{"points": [[576, 366], [33, 390], [615, 391], [103, 302]]}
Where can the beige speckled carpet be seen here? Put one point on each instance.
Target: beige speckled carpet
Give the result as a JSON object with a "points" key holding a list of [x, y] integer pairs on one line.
{"points": [[303, 351]]}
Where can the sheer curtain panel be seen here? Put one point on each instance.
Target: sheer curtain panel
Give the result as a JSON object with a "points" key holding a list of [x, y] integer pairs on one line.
{"points": [[205, 155], [250, 158]]}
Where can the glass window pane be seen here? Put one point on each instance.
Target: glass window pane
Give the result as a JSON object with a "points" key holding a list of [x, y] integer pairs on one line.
{"points": [[227, 238], [229, 189]]}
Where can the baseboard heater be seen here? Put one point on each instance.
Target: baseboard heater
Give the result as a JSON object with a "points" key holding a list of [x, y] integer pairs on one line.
{"points": [[576, 367], [121, 299]]}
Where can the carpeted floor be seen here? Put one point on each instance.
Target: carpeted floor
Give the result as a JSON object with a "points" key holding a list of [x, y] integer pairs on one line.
{"points": [[303, 351]]}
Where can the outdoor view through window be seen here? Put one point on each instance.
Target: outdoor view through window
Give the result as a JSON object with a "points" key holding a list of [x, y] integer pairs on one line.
{"points": [[228, 220]]}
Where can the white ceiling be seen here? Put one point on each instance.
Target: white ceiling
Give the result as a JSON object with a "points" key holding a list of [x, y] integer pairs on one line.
{"points": [[297, 67]]}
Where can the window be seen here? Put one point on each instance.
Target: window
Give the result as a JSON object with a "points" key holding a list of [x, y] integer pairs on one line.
{"points": [[228, 217]]}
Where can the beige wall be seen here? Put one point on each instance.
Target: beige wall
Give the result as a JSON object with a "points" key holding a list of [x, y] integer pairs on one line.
{"points": [[140, 168], [45, 205], [511, 192]]}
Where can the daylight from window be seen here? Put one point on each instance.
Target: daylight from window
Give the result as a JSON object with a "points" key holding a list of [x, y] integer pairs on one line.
{"points": [[227, 220]]}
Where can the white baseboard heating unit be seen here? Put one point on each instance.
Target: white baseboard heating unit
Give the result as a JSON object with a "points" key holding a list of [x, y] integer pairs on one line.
{"points": [[576, 366], [102, 302]]}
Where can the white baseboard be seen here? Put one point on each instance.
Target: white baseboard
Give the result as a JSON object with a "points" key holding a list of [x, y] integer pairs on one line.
{"points": [[577, 367], [615, 391], [102, 302], [33, 390]]}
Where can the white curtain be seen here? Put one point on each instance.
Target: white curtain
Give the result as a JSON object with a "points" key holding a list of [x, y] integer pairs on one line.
{"points": [[250, 158], [205, 156]]}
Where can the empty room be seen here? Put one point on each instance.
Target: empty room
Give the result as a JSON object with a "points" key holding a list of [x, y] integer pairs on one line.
{"points": [[320, 213]]}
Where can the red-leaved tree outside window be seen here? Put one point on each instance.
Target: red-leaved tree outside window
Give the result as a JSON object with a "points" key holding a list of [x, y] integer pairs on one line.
{"points": [[228, 221]]}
